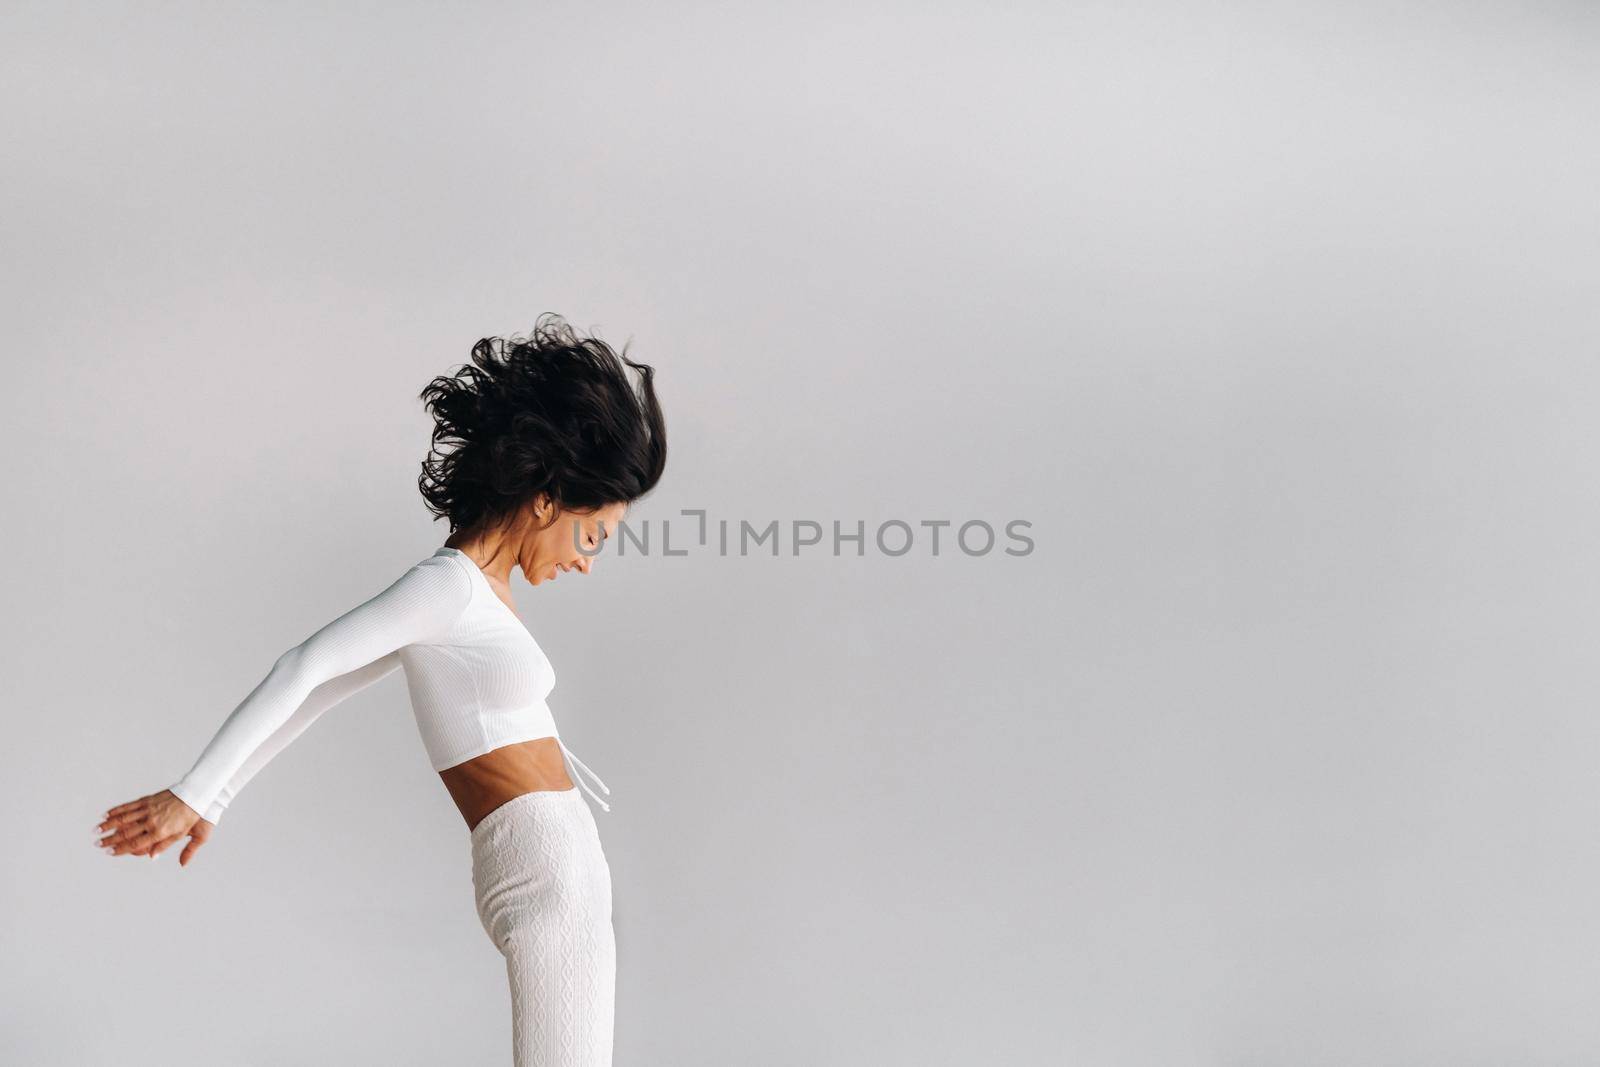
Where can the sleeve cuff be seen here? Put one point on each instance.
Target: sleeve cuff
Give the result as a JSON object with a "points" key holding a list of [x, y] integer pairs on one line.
{"points": [[182, 792]]}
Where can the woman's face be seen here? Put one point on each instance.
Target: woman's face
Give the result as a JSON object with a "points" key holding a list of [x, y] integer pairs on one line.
{"points": [[545, 554]]}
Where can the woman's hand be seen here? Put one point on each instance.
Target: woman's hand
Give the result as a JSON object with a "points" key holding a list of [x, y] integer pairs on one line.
{"points": [[147, 826]]}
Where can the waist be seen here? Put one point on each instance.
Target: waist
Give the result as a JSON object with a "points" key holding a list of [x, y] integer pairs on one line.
{"points": [[487, 781], [484, 782]]}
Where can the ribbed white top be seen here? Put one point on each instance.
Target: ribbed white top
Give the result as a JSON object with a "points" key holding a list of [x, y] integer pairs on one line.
{"points": [[477, 679]]}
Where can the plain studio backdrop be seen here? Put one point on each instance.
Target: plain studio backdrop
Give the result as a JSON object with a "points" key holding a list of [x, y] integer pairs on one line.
{"points": [[1275, 322]]}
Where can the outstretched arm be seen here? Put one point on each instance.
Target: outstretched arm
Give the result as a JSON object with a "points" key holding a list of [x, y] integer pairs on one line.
{"points": [[419, 607], [323, 697]]}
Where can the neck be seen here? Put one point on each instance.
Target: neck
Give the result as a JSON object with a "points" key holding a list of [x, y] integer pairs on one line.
{"points": [[493, 552]]}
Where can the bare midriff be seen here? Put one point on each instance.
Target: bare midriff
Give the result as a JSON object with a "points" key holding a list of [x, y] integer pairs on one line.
{"points": [[485, 782]]}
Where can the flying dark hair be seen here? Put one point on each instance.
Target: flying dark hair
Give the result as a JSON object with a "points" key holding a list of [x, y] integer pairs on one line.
{"points": [[552, 413]]}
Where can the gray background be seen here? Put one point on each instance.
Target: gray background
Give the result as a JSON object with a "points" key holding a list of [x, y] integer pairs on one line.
{"points": [[1276, 321]]}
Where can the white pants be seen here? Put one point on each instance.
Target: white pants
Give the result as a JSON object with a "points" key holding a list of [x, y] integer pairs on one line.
{"points": [[543, 891]]}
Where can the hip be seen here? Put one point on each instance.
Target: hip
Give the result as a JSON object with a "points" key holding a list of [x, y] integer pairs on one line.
{"points": [[538, 858]]}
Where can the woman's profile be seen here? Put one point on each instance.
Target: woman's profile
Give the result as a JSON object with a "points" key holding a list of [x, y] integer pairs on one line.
{"points": [[539, 446]]}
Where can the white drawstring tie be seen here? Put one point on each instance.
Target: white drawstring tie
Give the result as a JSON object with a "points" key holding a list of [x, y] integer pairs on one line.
{"points": [[579, 778]]}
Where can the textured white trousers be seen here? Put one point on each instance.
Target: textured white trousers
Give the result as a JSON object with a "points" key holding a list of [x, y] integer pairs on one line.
{"points": [[543, 891]]}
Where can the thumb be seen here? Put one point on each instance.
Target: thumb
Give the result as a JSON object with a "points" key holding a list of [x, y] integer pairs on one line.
{"points": [[197, 837]]}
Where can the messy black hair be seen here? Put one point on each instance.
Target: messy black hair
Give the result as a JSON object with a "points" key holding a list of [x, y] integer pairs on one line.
{"points": [[552, 413]]}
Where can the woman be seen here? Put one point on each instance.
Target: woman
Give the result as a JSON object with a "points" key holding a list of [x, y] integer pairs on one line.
{"points": [[539, 446]]}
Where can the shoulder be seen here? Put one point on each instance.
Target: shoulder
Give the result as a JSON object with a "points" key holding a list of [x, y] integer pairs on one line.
{"points": [[438, 577]]}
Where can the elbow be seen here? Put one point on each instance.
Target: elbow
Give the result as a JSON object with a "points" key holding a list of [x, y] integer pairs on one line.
{"points": [[298, 670], [292, 661]]}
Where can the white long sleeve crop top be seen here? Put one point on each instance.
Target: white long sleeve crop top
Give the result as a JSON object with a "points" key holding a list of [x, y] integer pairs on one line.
{"points": [[477, 680]]}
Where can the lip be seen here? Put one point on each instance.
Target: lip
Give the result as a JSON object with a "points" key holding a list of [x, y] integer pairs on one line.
{"points": [[557, 570]]}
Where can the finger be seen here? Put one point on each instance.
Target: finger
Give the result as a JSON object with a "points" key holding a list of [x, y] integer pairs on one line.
{"points": [[132, 805], [136, 844], [161, 846], [142, 844], [189, 850], [112, 842], [154, 842], [129, 818], [124, 826], [120, 847], [126, 832]]}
